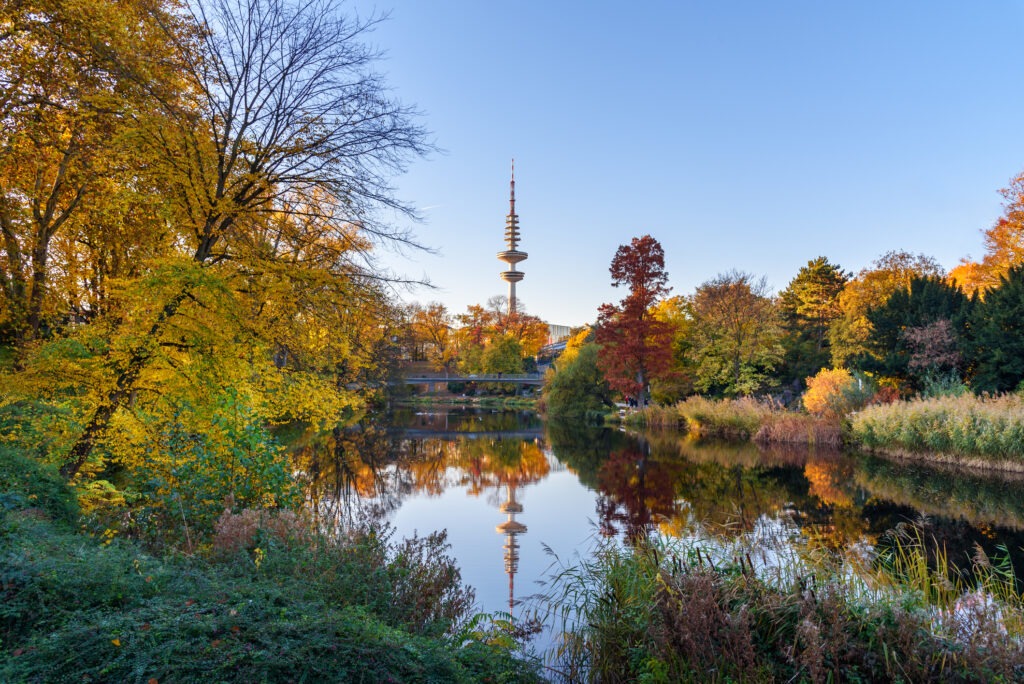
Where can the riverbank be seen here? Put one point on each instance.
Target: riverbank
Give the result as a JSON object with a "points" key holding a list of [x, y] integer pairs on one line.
{"points": [[743, 419], [968, 431], [985, 433], [682, 611], [264, 599]]}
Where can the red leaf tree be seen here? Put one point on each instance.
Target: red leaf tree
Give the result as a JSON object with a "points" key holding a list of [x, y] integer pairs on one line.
{"points": [[635, 346]]}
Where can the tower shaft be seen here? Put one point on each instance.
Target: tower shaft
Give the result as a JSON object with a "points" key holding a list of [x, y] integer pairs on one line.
{"points": [[512, 255]]}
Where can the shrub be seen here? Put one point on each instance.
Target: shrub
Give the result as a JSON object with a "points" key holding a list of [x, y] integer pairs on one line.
{"points": [[26, 483], [670, 611], [351, 608], [833, 393]]}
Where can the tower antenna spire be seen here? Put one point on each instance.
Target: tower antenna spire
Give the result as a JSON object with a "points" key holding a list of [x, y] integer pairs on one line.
{"points": [[512, 190], [512, 255]]}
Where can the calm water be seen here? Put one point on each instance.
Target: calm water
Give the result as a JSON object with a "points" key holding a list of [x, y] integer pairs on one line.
{"points": [[511, 491]]}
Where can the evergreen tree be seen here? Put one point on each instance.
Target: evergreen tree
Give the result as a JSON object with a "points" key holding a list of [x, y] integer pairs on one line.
{"points": [[996, 348], [808, 305], [917, 333]]}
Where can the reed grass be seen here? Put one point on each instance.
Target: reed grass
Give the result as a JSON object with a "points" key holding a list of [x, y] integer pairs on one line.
{"points": [[979, 431], [656, 416], [680, 611], [730, 418], [799, 428], [762, 421]]}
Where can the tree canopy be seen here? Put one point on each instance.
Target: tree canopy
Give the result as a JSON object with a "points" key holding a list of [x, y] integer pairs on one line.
{"points": [[635, 343], [192, 197]]}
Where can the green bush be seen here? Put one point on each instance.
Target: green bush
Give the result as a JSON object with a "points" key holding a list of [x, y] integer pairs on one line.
{"points": [[362, 609], [27, 483]]}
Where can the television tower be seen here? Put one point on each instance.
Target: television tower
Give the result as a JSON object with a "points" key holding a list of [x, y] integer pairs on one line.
{"points": [[512, 256]]}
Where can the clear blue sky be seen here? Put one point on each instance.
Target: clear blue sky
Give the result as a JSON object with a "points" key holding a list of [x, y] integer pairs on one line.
{"points": [[750, 135]]}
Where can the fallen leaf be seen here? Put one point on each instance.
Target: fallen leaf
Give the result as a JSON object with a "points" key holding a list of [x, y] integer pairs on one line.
{"points": [[116, 642]]}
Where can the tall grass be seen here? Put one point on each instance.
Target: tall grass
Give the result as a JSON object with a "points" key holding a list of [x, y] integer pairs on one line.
{"points": [[967, 429], [731, 418], [799, 428], [655, 416], [763, 421], [678, 612]]}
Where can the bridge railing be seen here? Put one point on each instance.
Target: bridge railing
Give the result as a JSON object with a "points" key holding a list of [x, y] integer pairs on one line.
{"points": [[532, 378]]}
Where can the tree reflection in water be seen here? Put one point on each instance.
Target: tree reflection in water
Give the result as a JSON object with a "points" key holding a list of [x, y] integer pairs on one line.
{"points": [[662, 483]]}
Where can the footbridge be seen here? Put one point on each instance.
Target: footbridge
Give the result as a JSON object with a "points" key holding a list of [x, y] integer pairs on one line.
{"points": [[431, 379]]}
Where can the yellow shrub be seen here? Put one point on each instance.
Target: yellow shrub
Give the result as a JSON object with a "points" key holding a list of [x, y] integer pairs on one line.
{"points": [[827, 391]]}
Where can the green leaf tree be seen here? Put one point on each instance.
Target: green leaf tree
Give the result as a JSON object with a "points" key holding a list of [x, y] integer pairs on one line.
{"points": [[737, 339], [575, 389]]}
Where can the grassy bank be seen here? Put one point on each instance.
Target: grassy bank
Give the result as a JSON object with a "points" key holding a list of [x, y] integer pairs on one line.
{"points": [[965, 430], [267, 601], [740, 419], [682, 614]]}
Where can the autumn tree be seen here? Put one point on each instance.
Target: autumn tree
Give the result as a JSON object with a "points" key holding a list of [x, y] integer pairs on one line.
{"points": [[678, 381], [737, 334], [530, 331], [808, 306], [432, 329], [848, 333], [69, 90], [276, 168], [635, 345], [1004, 245]]}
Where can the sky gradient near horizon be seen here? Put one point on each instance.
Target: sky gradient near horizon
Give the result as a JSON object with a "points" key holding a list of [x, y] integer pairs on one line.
{"points": [[742, 135]]}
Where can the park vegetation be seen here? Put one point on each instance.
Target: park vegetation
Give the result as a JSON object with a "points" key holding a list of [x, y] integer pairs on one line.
{"points": [[732, 360], [688, 611], [192, 197]]}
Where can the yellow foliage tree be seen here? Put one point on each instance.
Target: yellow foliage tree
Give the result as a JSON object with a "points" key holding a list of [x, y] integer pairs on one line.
{"points": [[827, 391]]}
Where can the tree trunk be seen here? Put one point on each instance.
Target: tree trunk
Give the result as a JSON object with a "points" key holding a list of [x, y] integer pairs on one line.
{"points": [[122, 390]]}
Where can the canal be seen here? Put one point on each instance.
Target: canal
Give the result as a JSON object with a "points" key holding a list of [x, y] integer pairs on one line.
{"points": [[514, 493]]}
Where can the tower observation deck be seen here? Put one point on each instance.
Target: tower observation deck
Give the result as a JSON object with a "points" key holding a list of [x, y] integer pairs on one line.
{"points": [[512, 256]]}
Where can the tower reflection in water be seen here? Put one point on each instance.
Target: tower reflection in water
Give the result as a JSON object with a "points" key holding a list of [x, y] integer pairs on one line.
{"points": [[509, 465], [511, 528]]}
